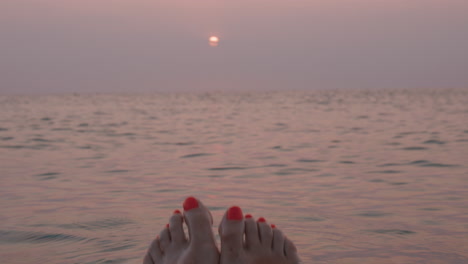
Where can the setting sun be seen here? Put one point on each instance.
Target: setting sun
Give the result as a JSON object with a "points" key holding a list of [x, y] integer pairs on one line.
{"points": [[214, 41]]}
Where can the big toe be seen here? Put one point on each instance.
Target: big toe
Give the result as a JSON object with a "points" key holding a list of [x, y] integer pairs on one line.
{"points": [[199, 221], [231, 231]]}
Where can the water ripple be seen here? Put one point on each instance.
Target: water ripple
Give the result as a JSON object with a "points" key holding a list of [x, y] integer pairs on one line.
{"points": [[10, 237], [97, 225], [195, 155], [393, 231]]}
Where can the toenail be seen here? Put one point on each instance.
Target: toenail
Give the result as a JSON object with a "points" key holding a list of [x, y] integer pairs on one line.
{"points": [[261, 220], [235, 213], [177, 212], [248, 216], [273, 226], [190, 203]]}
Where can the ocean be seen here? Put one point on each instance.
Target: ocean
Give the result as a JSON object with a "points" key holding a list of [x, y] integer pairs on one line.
{"points": [[351, 176]]}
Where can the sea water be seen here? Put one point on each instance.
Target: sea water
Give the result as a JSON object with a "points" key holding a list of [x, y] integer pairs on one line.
{"points": [[350, 176]]}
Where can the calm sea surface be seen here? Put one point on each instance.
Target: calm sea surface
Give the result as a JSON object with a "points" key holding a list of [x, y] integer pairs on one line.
{"points": [[350, 176]]}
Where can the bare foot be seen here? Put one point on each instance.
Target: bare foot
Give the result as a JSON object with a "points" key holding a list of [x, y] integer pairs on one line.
{"points": [[173, 247], [263, 244]]}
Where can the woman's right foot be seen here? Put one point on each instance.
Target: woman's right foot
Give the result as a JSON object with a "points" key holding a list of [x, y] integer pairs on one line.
{"points": [[263, 243], [172, 245]]}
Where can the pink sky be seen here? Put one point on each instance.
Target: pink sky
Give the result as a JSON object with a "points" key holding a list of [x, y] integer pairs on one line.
{"points": [[50, 46]]}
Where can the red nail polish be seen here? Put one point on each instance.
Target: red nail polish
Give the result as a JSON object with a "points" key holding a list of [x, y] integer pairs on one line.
{"points": [[273, 226], [261, 220], [177, 212], [190, 203], [235, 213], [248, 216], [167, 225]]}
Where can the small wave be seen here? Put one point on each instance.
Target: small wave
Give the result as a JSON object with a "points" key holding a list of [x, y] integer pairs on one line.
{"points": [[228, 168], [326, 175], [10, 237], [40, 140], [12, 146], [96, 225], [376, 180], [120, 134], [372, 214], [175, 143], [118, 248], [3, 129], [280, 148], [309, 160], [310, 219], [276, 165], [292, 171], [393, 231], [430, 209], [389, 165], [418, 162], [426, 163], [36, 147], [386, 171], [6, 138], [116, 171], [414, 148], [434, 141], [47, 175], [440, 165], [398, 183], [195, 155]]}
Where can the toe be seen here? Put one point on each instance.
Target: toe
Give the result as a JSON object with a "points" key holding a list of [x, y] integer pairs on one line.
{"points": [[164, 239], [154, 254], [148, 259], [199, 221], [291, 251], [231, 231], [264, 230], [252, 239], [176, 229], [278, 241]]}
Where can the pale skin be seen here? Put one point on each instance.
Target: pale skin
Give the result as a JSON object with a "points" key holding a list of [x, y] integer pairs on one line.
{"points": [[244, 240]]}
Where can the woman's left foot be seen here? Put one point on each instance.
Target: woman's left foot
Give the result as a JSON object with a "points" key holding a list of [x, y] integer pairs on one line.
{"points": [[172, 245]]}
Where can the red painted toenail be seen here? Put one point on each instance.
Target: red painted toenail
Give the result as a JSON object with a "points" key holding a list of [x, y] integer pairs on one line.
{"points": [[235, 213], [167, 225], [261, 220], [273, 226], [190, 203], [177, 212], [248, 216]]}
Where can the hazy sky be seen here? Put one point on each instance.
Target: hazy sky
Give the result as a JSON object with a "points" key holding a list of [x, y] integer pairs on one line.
{"points": [[50, 46]]}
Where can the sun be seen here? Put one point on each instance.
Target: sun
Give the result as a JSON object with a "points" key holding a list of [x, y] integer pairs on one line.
{"points": [[214, 41]]}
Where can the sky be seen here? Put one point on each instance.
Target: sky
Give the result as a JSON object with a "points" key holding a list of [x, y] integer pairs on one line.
{"points": [[101, 46]]}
